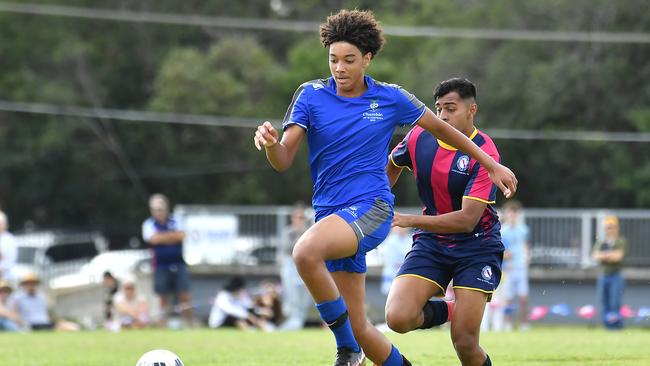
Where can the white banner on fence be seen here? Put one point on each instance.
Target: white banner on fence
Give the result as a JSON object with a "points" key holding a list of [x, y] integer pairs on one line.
{"points": [[210, 238]]}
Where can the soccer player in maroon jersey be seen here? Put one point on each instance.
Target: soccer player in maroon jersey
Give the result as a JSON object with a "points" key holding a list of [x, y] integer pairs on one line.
{"points": [[457, 236]]}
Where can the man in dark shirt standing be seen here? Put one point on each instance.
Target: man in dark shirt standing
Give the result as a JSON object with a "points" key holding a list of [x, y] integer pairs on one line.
{"points": [[164, 234], [609, 254]]}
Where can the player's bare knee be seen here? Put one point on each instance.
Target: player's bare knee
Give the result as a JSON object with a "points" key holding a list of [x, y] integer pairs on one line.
{"points": [[465, 343], [402, 317], [399, 321], [305, 256]]}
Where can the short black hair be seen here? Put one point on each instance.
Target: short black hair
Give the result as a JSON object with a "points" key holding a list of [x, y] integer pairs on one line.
{"points": [[357, 27], [465, 88], [235, 284]]}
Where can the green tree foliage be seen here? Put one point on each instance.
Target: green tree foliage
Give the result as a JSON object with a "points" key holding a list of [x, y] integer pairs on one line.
{"points": [[65, 171]]}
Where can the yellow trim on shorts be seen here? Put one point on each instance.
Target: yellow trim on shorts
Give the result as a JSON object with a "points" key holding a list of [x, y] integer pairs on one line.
{"points": [[480, 200], [488, 293], [426, 279], [390, 156]]}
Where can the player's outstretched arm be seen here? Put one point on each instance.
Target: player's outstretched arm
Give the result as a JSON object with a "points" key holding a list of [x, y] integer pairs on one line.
{"points": [[503, 177], [280, 154], [460, 221]]}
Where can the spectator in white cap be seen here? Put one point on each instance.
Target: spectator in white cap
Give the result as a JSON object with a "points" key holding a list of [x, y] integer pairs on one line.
{"points": [[131, 309]]}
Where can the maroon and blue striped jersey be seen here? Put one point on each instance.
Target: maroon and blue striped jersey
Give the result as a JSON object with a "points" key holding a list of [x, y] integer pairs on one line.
{"points": [[445, 176]]}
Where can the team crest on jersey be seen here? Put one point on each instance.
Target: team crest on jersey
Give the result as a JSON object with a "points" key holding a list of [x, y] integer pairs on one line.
{"points": [[486, 272], [374, 113], [463, 163]]}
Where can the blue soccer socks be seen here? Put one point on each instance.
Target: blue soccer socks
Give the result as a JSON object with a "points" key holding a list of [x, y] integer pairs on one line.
{"points": [[335, 314], [394, 359]]}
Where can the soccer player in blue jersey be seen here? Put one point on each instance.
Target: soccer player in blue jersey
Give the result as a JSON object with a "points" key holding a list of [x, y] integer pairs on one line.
{"points": [[457, 236], [348, 120]]}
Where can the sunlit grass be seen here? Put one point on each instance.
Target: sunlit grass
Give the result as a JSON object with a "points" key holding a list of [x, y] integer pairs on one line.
{"points": [[547, 346]]}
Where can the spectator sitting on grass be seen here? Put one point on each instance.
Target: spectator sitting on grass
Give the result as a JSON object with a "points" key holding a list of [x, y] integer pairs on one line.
{"points": [[131, 309], [110, 286], [31, 305], [9, 320], [233, 307], [268, 303]]}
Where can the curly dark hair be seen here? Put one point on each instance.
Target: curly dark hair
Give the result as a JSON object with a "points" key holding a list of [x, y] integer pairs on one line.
{"points": [[357, 27]]}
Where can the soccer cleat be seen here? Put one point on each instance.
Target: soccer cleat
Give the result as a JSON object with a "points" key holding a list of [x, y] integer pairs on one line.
{"points": [[347, 357]]}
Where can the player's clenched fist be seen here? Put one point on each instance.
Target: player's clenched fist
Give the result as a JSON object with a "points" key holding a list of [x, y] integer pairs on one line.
{"points": [[265, 135], [505, 179], [401, 220]]}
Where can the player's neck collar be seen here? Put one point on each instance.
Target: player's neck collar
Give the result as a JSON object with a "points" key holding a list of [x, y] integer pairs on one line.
{"points": [[368, 80], [451, 148]]}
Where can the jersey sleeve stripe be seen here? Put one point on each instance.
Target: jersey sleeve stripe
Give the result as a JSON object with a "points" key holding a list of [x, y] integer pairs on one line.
{"points": [[289, 123], [479, 199], [424, 109], [288, 117], [399, 166]]}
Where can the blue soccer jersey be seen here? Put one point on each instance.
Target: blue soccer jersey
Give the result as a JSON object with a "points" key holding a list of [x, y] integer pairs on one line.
{"points": [[348, 137]]}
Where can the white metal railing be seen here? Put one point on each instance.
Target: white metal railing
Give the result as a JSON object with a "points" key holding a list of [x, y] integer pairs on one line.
{"points": [[558, 237], [251, 235]]}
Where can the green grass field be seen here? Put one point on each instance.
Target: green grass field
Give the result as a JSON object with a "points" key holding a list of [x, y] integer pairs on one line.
{"points": [[541, 347]]}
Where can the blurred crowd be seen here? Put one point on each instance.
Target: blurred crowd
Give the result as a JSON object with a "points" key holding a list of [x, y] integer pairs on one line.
{"points": [[270, 305]]}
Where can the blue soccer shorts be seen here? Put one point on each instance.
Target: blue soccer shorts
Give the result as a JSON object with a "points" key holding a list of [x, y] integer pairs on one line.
{"points": [[371, 222]]}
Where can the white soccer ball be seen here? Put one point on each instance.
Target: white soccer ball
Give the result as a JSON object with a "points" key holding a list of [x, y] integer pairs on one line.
{"points": [[159, 357]]}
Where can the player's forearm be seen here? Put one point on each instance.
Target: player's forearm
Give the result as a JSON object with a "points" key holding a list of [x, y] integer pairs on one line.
{"points": [[457, 139], [11, 315], [279, 157], [129, 311], [393, 173], [613, 257], [5, 313], [170, 237], [450, 223], [596, 256]]}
